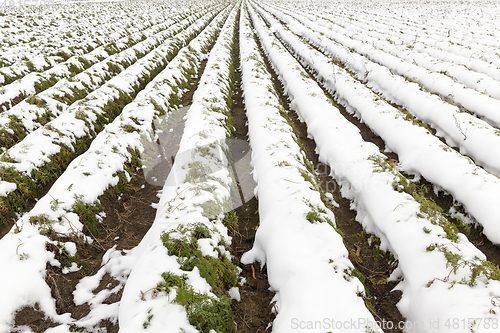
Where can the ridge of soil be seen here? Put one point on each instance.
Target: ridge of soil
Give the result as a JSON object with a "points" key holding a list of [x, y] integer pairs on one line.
{"points": [[442, 199], [129, 216], [253, 313], [381, 300]]}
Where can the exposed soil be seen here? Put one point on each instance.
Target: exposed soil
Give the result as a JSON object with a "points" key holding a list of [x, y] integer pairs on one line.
{"points": [[443, 200], [475, 236], [34, 319], [380, 299], [254, 312], [129, 216]]}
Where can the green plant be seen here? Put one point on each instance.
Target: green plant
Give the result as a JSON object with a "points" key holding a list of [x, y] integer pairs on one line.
{"points": [[204, 312], [197, 173], [87, 213], [54, 204], [231, 222], [378, 254], [146, 324], [283, 164], [43, 222], [35, 100], [477, 267], [318, 214]]}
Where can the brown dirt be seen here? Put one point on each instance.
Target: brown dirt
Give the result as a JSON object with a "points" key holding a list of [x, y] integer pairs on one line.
{"points": [[381, 299], [254, 312], [34, 319], [128, 217], [476, 236]]}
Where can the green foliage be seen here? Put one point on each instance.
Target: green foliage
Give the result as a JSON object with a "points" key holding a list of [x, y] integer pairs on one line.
{"points": [[129, 128], [378, 254], [197, 173], [462, 224], [353, 272], [54, 204], [204, 312], [317, 214], [428, 208], [43, 222], [208, 313], [35, 100], [382, 165], [219, 272], [87, 213], [12, 133], [411, 118], [45, 117], [477, 267], [283, 164], [146, 324], [46, 83], [111, 48], [231, 222], [431, 247], [452, 258], [313, 216], [67, 259]]}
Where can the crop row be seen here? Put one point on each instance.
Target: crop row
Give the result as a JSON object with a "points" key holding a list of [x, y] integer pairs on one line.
{"points": [[38, 40], [36, 82], [185, 272], [462, 40], [444, 86], [419, 152], [43, 154], [37, 110], [298, 240], [474, 137], [433, 258], [437, 61], [66, 215]]}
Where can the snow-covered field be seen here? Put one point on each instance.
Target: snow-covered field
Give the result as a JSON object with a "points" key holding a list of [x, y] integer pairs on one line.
{"points": [[86, 87]]}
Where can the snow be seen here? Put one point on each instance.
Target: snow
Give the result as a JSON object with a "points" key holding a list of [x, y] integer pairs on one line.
{"points": [[394, 217], [436, 62], [23, 255], [179, 204], [88, 176], [306, 261], [474, 137], [36, 149], [418, 151]]}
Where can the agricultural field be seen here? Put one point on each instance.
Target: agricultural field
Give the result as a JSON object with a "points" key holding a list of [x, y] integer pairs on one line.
{"points": [[250, 166]]}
